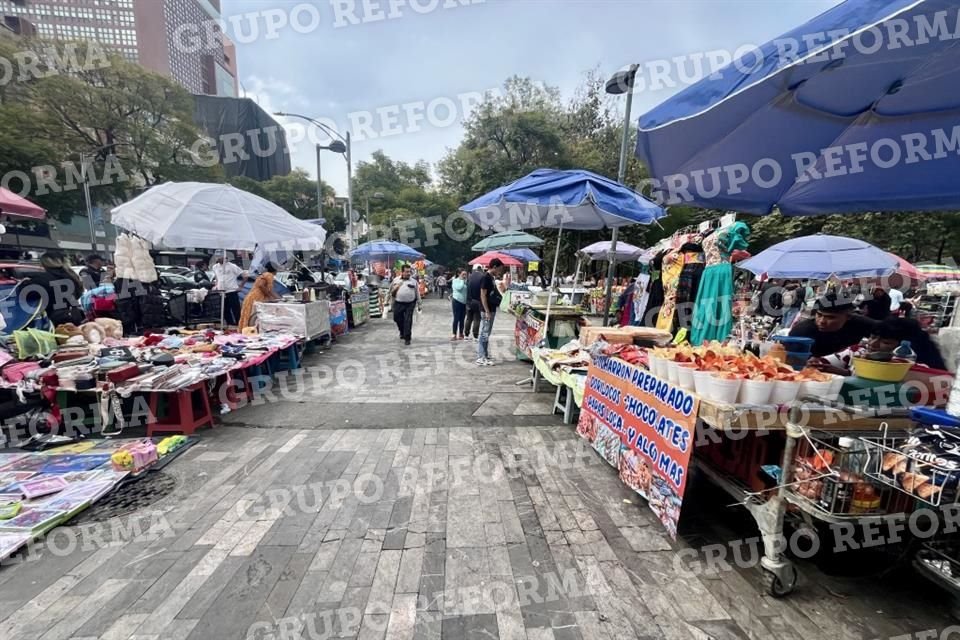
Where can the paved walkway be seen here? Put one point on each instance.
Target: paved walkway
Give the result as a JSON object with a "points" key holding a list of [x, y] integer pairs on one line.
{"points": [[401, 492]]}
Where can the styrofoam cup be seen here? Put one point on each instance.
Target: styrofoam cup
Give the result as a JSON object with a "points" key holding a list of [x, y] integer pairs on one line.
{"points": [[784, 391], [723, 391], [685, 375], [658, 366], [756, 391], [672, 374], [836, 386], [701, 383], [817, 389]]}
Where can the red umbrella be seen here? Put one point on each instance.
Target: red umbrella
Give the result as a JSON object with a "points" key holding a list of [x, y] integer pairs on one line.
{"points": [[14, 205], [508, 261]]}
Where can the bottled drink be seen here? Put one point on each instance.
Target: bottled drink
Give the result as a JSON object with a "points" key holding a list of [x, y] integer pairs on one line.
{"points": [[905, 351]]}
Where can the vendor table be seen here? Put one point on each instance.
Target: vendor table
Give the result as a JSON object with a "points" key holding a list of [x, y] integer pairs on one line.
{"points": [[529, 328], [311, 320], [569, 381]]}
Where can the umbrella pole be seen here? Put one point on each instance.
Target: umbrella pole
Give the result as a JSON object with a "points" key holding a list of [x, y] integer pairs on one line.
{"points": [[610, 269], [223, 294], [553, 282], [576, 277]]}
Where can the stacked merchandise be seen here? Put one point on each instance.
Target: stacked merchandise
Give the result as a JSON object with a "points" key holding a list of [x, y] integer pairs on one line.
{"points": [[39, 491], [139, 303]]}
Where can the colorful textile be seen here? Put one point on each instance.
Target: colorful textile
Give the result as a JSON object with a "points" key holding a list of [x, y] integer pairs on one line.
{"points": [[713, 311]]}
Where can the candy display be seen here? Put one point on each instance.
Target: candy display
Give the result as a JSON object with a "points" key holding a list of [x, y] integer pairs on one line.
{"points": [[927, 464]]}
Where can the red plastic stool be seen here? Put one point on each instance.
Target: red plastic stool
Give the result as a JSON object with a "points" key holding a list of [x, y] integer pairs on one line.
{"points": [[183, 414]]}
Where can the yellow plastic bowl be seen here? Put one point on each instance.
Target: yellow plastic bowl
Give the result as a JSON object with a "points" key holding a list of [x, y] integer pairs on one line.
{"points": [[881, 371]]}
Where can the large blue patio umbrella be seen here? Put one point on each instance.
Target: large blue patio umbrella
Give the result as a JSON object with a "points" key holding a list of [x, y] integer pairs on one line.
{"points": [[524, 254], [821, 256], [385, 250], [572, 199], [854, 111]]}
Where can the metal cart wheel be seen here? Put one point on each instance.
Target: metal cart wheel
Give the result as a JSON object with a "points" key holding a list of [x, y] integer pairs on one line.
{"points": [[782, 584]]}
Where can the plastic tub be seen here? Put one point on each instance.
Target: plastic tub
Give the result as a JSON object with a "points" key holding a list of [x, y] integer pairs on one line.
{"points": [[881, 371], [756, 391], [797, 359], [701, 383], [685, 375], [784, 391], [795, 344], [722, 390]]}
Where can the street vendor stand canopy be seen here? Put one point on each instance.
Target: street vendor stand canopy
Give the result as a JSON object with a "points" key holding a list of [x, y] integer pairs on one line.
{"points": [[14, 205], [214, 216], [507, 240], [385, 250], [601, 251], [932, 271], [573, 199], [485, 259], [522, 254], [824, 129], [820, 257]]}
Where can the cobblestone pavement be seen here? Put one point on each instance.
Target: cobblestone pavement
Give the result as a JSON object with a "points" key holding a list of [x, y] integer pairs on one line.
{"points": [[429, 499]]}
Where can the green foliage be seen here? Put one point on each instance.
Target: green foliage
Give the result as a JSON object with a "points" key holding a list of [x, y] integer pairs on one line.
{"points": [[83, 99]]}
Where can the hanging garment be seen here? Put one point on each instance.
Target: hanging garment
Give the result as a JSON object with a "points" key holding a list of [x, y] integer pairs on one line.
{"points": [[672, 266], [713, 311], [641, 297], [652, 313], [687, 287]]}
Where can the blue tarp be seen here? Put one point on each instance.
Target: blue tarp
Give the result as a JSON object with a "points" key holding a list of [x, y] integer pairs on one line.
{"points": [[552, 198], [856, 110]]}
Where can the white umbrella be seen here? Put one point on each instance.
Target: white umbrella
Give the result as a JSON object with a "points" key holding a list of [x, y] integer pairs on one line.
{"points": [[214, 216], [203, 215]]}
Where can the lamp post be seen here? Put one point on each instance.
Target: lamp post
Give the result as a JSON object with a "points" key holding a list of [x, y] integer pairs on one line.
{"points": [[366, 203], [620, 83], [340, 145], [85, 156]]}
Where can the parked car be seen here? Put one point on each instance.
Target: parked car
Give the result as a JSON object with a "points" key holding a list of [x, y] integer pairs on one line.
{"points": [[177, 282]]}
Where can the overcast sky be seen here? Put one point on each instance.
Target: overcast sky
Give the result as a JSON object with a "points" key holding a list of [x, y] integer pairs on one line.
{"points": [[402, 79]]}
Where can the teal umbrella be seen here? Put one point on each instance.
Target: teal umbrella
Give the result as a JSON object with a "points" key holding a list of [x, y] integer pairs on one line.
{"points": [[508, 240]]}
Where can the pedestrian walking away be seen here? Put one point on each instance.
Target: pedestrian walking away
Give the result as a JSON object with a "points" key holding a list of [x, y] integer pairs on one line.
{"points": [[472, 327], [490, 299], [459, 302], [406, 299]]}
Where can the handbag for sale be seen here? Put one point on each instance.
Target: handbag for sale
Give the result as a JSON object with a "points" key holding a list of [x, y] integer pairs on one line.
{"points": [[104, 304], [17, 371]]}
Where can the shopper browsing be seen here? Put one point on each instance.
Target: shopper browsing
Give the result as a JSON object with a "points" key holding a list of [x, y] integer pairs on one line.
{"points": [[406, 297], [490, 297], [459, 298], [226, 277]]}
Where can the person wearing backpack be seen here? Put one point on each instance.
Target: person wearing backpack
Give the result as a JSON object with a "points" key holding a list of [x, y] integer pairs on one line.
{"points": [[490, 298]]}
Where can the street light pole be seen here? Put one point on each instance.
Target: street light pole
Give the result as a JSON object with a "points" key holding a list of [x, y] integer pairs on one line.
{"points": [[620, 83], [86, 198], [319, 188], [349, 189]]}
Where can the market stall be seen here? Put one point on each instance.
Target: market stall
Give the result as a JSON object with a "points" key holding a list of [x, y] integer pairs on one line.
{"points": [[42, 490]]}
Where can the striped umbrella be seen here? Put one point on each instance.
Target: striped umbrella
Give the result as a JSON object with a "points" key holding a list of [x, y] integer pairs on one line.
{"points": [[932, 271]]}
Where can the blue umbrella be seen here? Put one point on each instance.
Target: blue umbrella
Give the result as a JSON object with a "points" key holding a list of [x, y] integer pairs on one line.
{"points": [[821, 256], [859, 115], [574, 199], [385, 250], [522, 254]]}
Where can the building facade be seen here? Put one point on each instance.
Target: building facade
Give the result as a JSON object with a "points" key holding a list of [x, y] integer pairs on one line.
{"points": [[180, 39]]}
